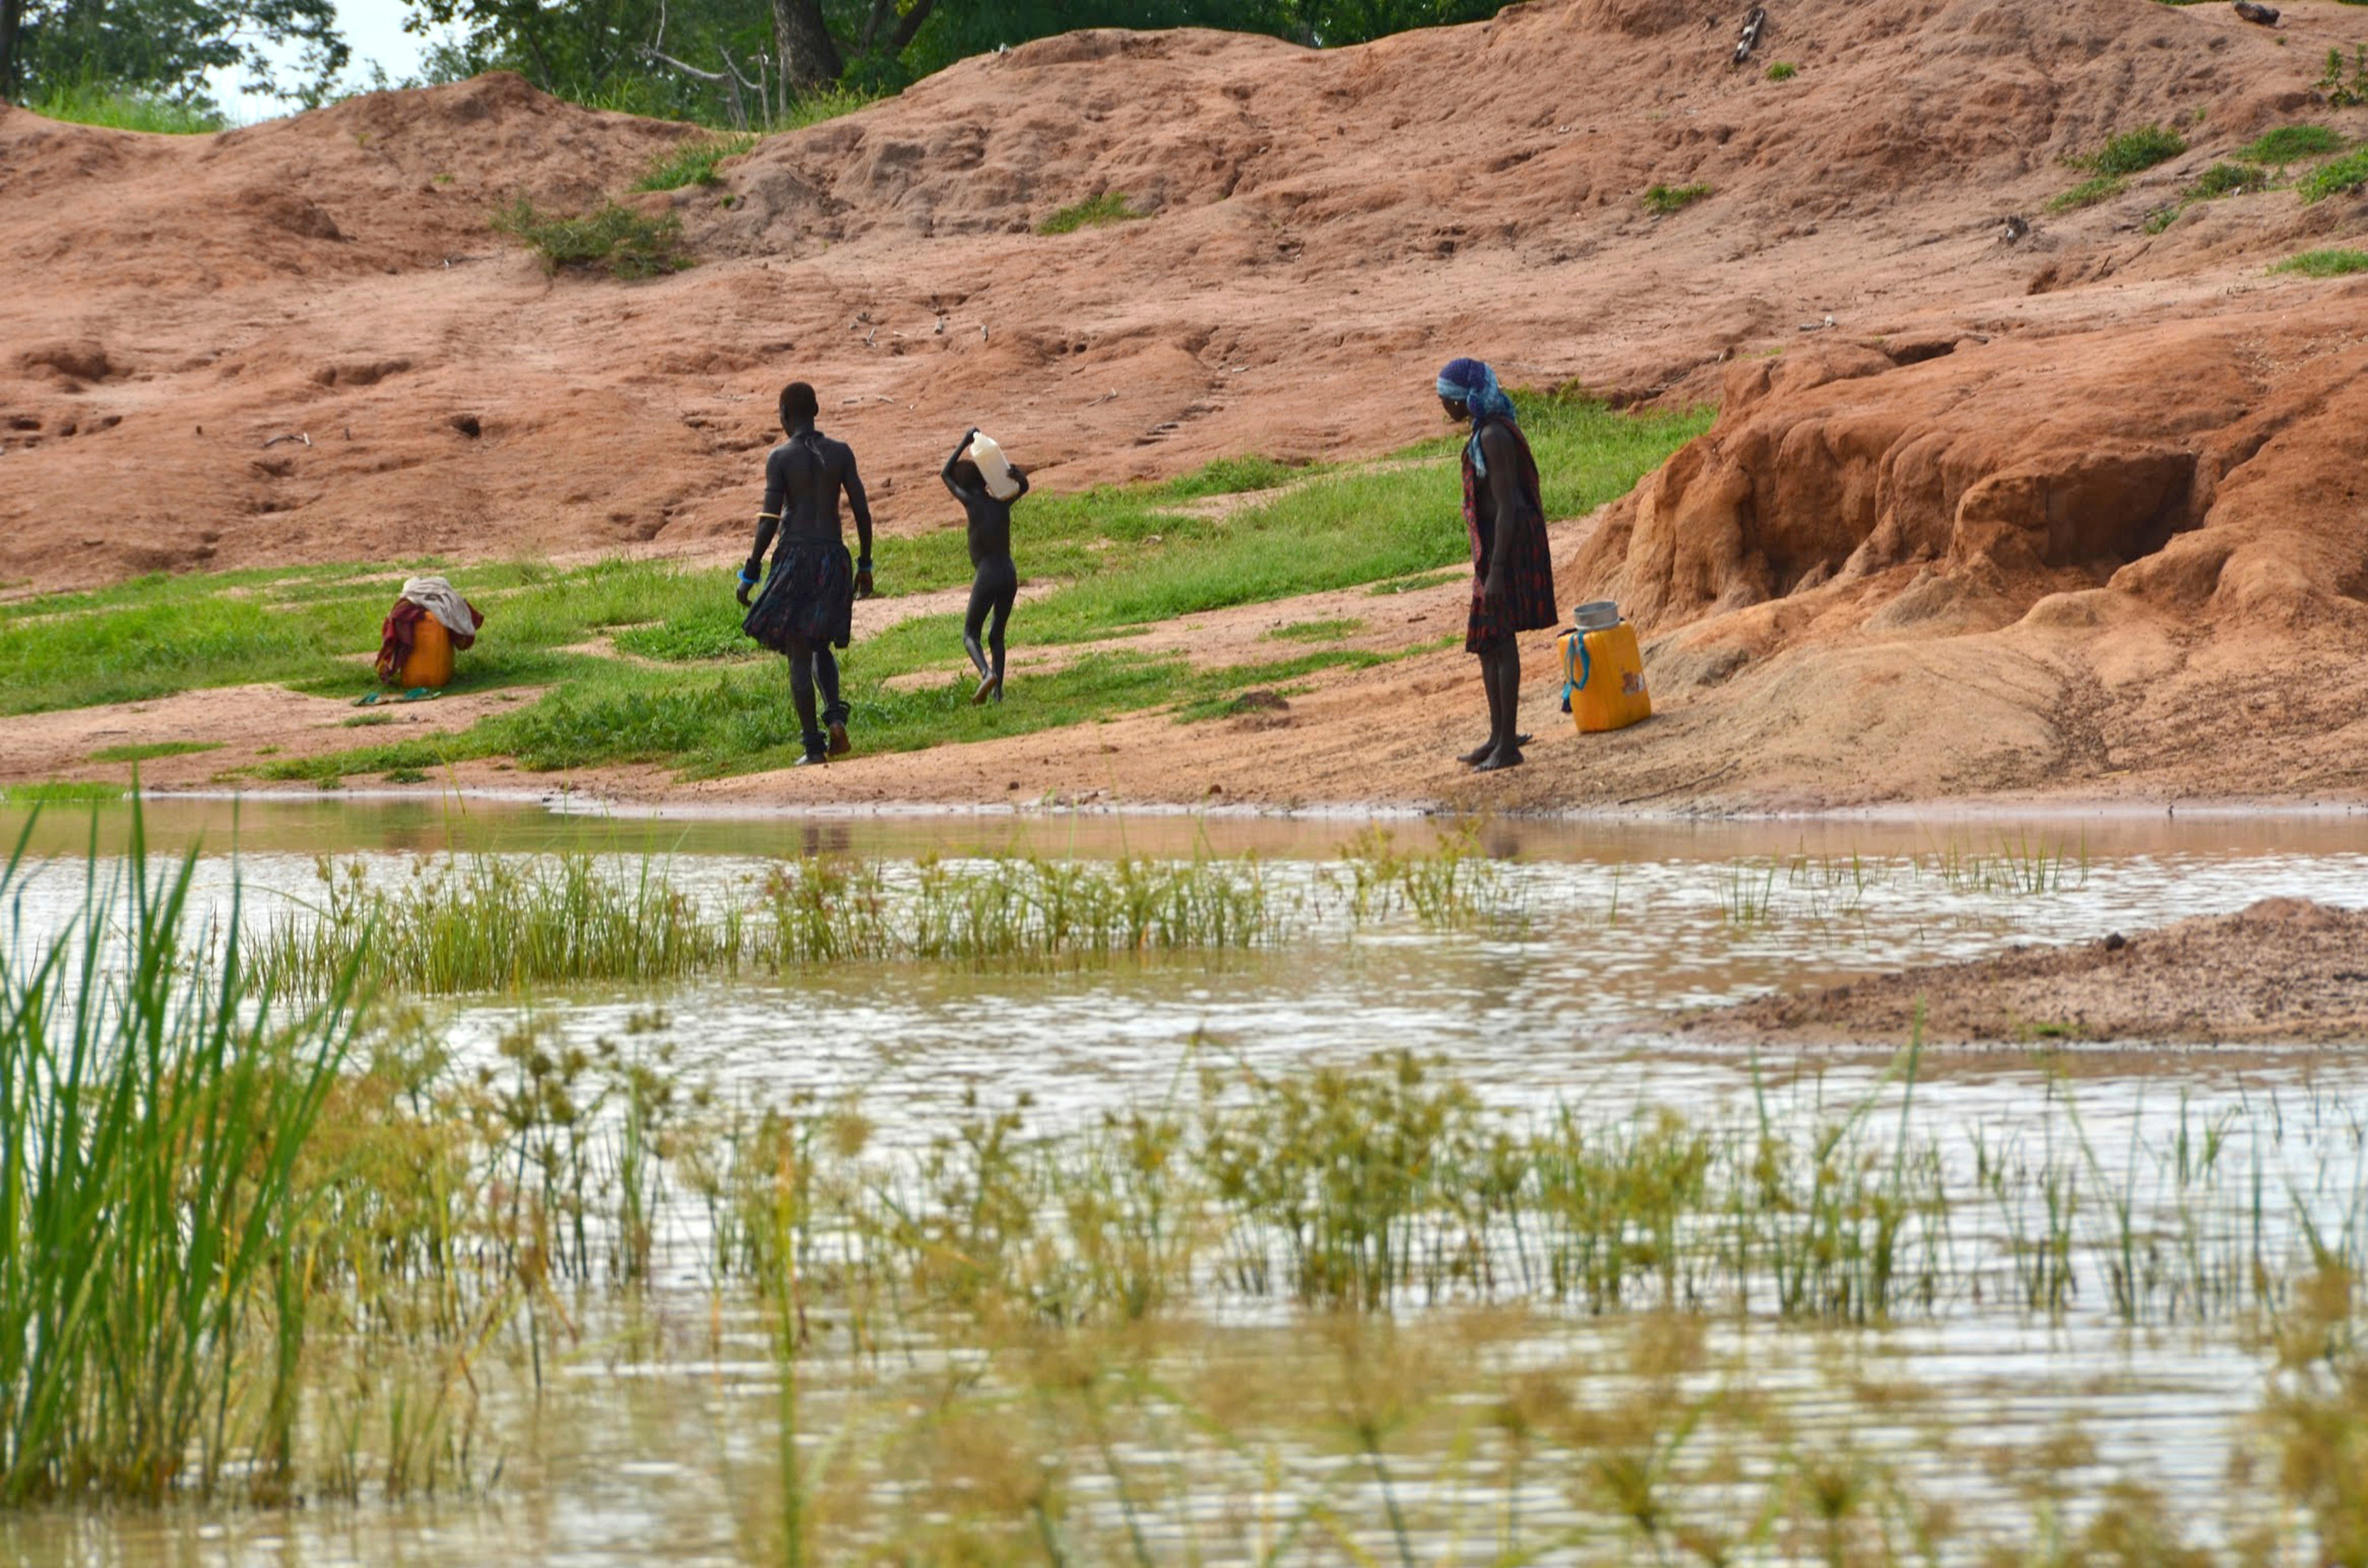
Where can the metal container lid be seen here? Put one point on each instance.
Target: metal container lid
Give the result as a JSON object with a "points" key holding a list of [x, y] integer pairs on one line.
{"points": [[1596, 615]]}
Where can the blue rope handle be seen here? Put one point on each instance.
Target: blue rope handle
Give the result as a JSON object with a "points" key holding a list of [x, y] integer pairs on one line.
{"points": [[1586, 667]]}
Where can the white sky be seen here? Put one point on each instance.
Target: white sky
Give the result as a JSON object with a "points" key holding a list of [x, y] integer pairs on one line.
{"points": [[373, 31]]}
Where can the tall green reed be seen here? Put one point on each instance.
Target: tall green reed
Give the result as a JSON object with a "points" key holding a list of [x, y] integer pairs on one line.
{"points": [[154, 1108], [494, 923], [490, 924]]}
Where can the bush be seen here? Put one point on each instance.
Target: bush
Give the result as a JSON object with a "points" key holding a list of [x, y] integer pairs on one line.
{"points": [[2338, 178], [2136, 149], [615, 239], [693, 163], [1663, 199], [2333, 87], [2291, 144], [1109, 207], [1782, 71], [2324, 263]]}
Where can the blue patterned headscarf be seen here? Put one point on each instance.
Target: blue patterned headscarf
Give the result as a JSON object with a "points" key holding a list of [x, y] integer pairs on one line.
{"points": [[1471, 383]]}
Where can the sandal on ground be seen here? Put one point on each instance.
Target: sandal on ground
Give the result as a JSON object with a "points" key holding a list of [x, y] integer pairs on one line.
{"points": [[1479, 753]]}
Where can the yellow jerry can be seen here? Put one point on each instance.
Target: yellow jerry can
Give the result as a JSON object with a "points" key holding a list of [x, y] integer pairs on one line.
{"points": [[430, 663], [1603, 676]]}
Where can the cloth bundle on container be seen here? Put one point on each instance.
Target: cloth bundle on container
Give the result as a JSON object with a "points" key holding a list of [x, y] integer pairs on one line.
{"points": [[428, 624], [1603, 671]]}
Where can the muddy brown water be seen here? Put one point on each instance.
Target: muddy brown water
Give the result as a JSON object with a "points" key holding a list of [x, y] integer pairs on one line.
{"points": [[628, 1455]]}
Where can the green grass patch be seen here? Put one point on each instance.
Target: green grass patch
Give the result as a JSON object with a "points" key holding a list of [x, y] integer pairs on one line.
{"points": [[1663, 199], [2134, 151], [822, 104], [1330, 630], [60, 792], [1109, 207], [1782, 71], [120, 108], [1231, 476], [144, 750], [610, 238], [2089, 192], [2219, 181], [693, 163], [2290, 145], [2229, 179], [708, 632], [2340, 178], [2324, 263]]}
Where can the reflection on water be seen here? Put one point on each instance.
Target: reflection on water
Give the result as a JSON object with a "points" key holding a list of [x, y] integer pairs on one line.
{"points": [[656, 1440]]}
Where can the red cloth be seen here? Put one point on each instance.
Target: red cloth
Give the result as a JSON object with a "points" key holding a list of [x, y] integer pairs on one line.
{"points": [[399, 630]]}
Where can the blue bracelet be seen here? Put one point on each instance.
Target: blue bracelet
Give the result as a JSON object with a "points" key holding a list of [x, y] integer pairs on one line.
{"points": [[748, 579], [863, 563]]}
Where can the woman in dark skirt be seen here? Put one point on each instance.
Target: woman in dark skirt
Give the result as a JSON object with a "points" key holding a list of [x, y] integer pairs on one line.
{"points": [[1513, 572], [808, 604]]}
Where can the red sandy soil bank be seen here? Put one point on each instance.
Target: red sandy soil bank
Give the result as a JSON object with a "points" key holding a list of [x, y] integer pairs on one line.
{"points": [[2284, 970], [2062, 505]]}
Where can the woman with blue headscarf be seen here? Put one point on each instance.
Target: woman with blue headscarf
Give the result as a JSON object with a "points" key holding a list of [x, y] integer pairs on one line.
{"points": [[1512, 573]]}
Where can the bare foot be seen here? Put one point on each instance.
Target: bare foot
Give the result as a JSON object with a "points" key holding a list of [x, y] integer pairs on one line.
{"points": [[1503, 757], [988, 686], [838, 746]]}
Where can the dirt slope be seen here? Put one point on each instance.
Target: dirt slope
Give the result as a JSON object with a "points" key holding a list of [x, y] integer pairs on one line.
{"points": [[2081, 508]]}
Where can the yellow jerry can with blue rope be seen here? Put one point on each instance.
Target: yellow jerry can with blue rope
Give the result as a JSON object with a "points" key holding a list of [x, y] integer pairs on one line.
{"points": [[1603, 671]]}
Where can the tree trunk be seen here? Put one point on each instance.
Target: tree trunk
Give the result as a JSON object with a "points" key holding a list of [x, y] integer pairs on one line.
{"points": [[12, 20], [902, 37], [809, 57]]}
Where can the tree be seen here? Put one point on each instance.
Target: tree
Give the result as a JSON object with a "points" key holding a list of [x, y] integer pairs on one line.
{"points": [[809, 56], [165, 47], [702, 59], [12, 22]]}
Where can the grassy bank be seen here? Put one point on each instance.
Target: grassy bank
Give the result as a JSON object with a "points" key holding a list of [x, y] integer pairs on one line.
{"points": [[638, 662]]}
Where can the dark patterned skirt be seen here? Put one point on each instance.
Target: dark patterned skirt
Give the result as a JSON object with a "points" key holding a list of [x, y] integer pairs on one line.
{"points": [[1528, 600], [808, 595]]}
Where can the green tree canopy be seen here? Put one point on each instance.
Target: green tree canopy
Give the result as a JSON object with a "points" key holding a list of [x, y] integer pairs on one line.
{"points": [[700, 58], [165, 47]]}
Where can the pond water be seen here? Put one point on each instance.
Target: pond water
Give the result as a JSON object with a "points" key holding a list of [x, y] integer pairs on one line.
{"points": [[656, 1437]]}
